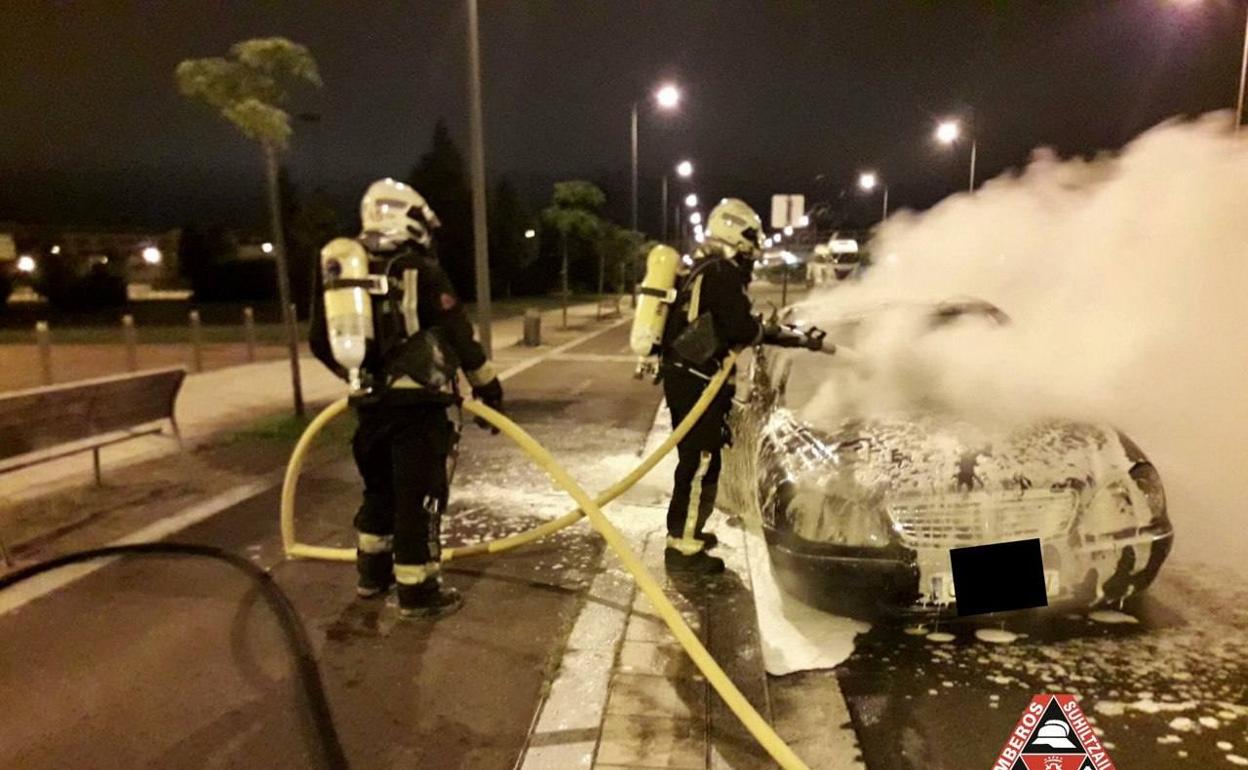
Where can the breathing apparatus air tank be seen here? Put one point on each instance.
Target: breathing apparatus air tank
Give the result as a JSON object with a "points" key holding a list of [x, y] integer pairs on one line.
{"points": [[348, 307], [655, 295]]}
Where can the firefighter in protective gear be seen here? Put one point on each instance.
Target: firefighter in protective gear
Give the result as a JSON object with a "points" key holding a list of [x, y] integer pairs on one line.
{"points": [[710, 317], [420, 337]]}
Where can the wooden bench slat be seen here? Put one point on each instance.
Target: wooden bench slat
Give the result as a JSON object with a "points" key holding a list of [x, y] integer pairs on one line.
{"points": [[41, 418]]}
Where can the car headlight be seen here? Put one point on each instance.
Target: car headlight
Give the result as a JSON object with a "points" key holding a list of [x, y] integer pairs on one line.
{"points": [[821, 517], [1148, 480], [1126, 503]]}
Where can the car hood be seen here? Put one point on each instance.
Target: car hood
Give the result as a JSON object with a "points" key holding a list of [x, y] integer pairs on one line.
{"points": [[934, 454]]}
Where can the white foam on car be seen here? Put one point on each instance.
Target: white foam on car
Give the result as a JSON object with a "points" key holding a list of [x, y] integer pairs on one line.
{"points": [[1125, 278]]}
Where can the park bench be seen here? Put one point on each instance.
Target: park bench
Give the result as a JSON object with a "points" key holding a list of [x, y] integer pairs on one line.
{"points": [[44, 424]]}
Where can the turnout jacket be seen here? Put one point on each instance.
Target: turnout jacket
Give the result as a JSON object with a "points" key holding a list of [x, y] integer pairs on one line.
{"points": [[715, 287], [393, 357]]}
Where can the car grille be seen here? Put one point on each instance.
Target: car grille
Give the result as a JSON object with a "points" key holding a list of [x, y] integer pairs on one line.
{"points": [[956, 520]]}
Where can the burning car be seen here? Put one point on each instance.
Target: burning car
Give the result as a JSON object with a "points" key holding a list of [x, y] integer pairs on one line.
{"points": [[860, 511]]}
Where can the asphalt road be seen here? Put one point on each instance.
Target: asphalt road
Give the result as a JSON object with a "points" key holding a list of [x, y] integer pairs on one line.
{"points": [[175, 663], [1167, 691]]}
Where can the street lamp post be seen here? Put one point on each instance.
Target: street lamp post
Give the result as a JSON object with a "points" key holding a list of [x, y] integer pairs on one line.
{"points": [[948, 132], [667, 97], [684, 170], [868, 181], [1243, 73], [632, 221], [476, 158], [691, 202]]}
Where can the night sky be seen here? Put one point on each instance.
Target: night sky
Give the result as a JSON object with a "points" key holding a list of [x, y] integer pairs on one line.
{"points": [[781, 96]]}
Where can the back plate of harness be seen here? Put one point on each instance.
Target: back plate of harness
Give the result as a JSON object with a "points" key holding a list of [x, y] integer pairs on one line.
{"points": [[424, 361], [697, 343]]}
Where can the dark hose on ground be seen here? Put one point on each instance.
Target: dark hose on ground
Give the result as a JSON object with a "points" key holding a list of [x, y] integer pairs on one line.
{"points": [[309, 675]]}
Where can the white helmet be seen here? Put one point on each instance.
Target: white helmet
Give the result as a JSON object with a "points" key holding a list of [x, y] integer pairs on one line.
{"points": [[736, 228], [392, 214]]}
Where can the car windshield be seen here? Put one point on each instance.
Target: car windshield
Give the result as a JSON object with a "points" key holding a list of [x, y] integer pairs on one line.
{"points": [[826, 389]]}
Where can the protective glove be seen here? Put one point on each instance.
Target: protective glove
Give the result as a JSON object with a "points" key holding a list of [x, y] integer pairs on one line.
{"points": [[790, 337], [490, 394]]}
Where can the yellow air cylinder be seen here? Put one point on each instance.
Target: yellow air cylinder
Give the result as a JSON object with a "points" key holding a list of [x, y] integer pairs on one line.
{"points": [[655, 295], [348, 309]]}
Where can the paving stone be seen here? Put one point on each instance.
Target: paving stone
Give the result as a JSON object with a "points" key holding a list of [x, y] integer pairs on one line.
{"points": [[652, 742], [657, 658], [643, 695]]}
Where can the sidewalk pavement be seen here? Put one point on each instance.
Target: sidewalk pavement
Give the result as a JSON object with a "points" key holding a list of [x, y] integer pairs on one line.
{"points": [[227, 399]]}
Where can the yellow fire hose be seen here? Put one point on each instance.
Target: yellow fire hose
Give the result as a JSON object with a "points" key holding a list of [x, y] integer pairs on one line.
{"points": [[293, 469], [750, 718]]}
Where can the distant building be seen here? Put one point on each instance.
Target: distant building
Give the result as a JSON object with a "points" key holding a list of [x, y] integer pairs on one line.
{"points": [[151, 258]]}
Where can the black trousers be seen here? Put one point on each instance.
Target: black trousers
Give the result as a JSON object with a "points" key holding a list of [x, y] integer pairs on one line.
{"points": [[699, 456], [401, 453]]}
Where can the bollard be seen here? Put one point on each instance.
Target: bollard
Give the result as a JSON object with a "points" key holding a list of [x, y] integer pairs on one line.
{"points": [[532, 327], [197, 343], [131, 340], [249, 332], [43, 338]]}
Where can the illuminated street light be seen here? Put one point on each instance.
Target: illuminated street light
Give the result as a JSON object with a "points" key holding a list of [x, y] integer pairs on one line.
{"points": [[691, 200], [767, 243], [56, 249], [667, 96], [266, 247], [695, 218], [948, 131], [152, 255], [803, 221], [788, 230], [684, 170], [26, 263], [530, 234], [868, 181]]}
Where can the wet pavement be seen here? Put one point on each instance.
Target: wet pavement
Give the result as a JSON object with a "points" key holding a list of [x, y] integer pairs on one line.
{"points": [[1165, 683], [174, 663]]}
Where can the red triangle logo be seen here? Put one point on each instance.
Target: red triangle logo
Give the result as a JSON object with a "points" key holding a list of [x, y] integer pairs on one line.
{"points": [[1053, 734]]}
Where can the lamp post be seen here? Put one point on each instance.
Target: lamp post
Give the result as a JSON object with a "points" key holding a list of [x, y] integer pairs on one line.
{"points": [[476, 163], [684, 170], [667, 97], [948, 132], [867, 182], [1243, 67], [1243, 73]]}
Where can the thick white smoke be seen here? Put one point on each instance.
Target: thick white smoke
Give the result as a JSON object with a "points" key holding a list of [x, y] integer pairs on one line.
{"points": [[1127, 280]]}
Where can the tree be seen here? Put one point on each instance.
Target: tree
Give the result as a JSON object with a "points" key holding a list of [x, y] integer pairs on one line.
{"points": [[439, 176], [573, 212], [621, 250], [248, 88]]}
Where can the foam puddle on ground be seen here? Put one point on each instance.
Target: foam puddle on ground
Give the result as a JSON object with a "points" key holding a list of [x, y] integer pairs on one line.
{"points": [[794, 636]]}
